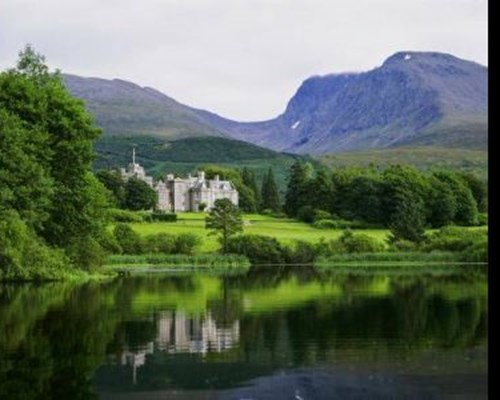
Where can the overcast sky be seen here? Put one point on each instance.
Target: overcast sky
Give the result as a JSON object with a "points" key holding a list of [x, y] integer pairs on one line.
{"points": [[242, 59]]}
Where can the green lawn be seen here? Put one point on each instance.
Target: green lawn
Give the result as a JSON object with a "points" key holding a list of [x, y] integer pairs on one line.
{"points": [[285, 230]]}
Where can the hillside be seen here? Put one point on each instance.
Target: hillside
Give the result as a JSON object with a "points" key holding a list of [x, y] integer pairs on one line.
{"points": [[423, 158], [124, 108], [412, 99], [184, 156]]}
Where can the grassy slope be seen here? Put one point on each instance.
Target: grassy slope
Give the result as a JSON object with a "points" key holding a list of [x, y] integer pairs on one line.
{"points": [[424, 158], [285, 230], [159, 156]]}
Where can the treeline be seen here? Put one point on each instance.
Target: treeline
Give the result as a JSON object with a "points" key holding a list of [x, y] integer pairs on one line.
{"points": [[52, 209], [399, 197]]}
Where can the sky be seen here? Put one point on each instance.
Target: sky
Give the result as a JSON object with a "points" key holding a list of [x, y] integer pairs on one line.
{"points": [[243, 59]]}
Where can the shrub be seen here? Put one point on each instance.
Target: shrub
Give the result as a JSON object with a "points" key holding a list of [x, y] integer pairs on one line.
{"points": [[160, 243], [279, 215], [23, 255], [118, 215], [109, 243], [482, 219], [306, 214], [128, 239], [302, 253], [343, 224], [86, 253], [325, 224], [403, 245], [164, 217], [359, 243], [454, 238], [321, 214], [186, 243], [259, 249]]}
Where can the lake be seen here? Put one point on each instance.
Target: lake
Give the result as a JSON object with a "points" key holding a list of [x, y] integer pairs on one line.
{"points": [[269, 333]]}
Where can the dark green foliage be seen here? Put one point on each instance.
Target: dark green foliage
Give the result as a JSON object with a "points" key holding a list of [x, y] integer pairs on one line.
{"points": [[306, 214], [129, 240], [113, 181], [249, 180], [466, 206], [270, 198], [160, 243], [320, 191], [46, 142], [109, 243], [408, 220], [297, 189], [118, 215], [351, 242], [399, 196], [164, 217], [482, 219], [259, 249], [442, 203], [471, 244], [478, 188], [23, 255], [224, 219], [186, 243], [247, 201], [139, 195], [302, 252]]}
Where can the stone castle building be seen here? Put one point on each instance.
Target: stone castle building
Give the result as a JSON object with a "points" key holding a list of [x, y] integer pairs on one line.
{"points": [[184, 194]]}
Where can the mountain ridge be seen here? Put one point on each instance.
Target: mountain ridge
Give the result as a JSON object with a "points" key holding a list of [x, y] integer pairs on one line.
{"points": [[412, 98]]}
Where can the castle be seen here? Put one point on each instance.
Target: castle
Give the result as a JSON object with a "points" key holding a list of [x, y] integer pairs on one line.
{"points": [[195, 193]]}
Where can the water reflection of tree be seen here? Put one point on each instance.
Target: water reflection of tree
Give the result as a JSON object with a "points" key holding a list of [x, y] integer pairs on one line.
{"points": [[53, 337]]}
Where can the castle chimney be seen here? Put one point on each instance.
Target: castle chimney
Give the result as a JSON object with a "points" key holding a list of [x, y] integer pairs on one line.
{"points": [[217, 178], [201, 174]]}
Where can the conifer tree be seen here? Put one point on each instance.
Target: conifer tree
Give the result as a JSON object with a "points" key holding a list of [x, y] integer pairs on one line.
{"points": [[270, 195], [296, 193]]}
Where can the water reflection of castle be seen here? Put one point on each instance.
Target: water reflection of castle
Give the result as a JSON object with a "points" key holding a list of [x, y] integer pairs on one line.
{"points": [[181, 333], [178, 332]]}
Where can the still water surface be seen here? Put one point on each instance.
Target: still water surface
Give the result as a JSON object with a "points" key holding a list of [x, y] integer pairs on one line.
{"points": [[272, 333]]}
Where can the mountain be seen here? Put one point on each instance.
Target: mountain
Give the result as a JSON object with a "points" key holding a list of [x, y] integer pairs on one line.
{"points": [[412, 99], [123, 108]]}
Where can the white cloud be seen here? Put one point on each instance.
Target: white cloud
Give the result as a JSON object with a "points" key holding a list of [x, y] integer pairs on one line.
{"points": [[240, 58]]}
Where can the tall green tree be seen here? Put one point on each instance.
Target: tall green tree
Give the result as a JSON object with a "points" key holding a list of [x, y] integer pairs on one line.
{"points": [[322, 189], [478, 188], [408, 220], [61, 147], [249, 181], [139, 195], [441, 203], [297, 189], [466, 206], [269, 195], [224, 219], [113, 181]]}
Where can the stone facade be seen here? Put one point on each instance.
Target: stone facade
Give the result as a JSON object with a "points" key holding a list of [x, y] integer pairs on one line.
{"points": [[184, 194]]}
